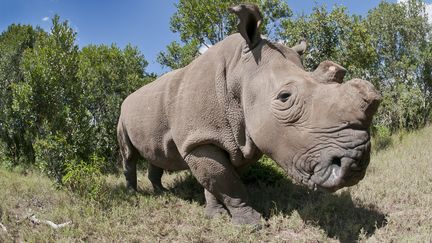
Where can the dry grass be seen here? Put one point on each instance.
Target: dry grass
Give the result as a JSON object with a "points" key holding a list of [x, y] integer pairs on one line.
{"points": [[392, 204]]}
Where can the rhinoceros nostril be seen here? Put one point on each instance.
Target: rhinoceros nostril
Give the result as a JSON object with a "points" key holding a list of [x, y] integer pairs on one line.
{"points": [[336, 161]]}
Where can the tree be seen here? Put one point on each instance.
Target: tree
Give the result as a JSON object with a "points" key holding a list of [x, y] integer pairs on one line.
{"points": [[332, 35], [400, 33], [14, 94], [177, 56], [390, 47], [107, 75], [207, 22], [50, 77], [61, 103]]}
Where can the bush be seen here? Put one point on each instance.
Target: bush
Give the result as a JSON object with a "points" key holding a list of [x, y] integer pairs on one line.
{"points": [[381, 138], [54, 114], [3, 155], [265, 171], [50, 155], [86, 179], [403, 107]]}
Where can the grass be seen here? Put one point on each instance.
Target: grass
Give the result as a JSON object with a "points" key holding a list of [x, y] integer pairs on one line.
{"points": [[392, 204]]}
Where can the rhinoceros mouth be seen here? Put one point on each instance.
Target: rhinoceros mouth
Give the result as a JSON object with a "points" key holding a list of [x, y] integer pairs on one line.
{"points": [[340, 171]]}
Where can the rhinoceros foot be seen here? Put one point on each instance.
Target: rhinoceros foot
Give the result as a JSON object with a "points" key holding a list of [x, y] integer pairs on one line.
{"points": [[246, 216], [213, 207], [215, 210]]}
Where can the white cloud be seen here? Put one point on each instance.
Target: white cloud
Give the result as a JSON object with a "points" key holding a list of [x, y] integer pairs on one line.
{"points": [[45, 18]]}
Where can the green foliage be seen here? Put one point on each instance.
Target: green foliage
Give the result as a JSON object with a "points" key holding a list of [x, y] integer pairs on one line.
{"points": [[15, 130], [51, 155], [106, 76], [86, 178], [51, 99], [403, 107], [50, 69], [390, 47], [400, 33], [208, 22], [60, 103], [178, 56], [5, 161], [332, 36], [266, 172], [381, 138]]}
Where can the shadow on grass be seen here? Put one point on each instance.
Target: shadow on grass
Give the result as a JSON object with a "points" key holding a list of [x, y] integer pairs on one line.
{"points": [[187, 188], [336, 214], [117, 195]]}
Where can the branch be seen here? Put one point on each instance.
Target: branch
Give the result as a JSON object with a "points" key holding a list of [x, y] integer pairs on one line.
{"points": [[3, 227], [34, 220], [25, 218]]}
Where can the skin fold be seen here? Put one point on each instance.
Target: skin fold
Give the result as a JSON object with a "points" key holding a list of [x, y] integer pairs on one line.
{"points": [[245, 97]]}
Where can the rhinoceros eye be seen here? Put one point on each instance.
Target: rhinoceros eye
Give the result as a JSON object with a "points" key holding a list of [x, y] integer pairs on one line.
{"points": [[284, 96]]}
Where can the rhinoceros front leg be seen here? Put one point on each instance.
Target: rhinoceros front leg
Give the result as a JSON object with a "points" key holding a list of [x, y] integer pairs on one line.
{"points": [[155, 176], [213, 206], [211, 166]]}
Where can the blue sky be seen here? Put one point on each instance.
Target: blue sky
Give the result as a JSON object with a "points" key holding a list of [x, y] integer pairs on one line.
{"points": [[143, 23]]}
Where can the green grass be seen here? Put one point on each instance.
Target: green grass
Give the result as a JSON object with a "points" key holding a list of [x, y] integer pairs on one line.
{"points": [[392, 204]]}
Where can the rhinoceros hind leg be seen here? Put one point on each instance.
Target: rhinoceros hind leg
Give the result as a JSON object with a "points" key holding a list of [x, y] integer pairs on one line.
{"points": [[129, 157], [130, 172], [213, 170], [213, 207], [155, 176], [130, 175]]}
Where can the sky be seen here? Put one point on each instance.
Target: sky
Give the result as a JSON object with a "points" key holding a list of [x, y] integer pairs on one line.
{"points": [[142, 23]]}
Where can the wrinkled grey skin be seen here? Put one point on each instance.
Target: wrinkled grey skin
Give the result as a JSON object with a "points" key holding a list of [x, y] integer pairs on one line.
{"points": [[245, 97]]}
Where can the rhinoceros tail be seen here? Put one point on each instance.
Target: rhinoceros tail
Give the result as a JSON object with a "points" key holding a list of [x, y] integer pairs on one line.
{"points": [[127, 150]]}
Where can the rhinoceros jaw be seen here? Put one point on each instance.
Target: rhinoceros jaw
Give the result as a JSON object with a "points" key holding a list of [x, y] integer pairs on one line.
{"points": [[328, 177], [334, 176]]}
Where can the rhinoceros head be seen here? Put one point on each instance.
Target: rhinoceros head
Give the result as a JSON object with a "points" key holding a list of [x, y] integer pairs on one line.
{"points": [[311, 123]]}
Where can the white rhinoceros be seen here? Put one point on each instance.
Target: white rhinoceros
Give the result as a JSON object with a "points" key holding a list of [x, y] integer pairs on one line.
{"points": [[244, 97]]}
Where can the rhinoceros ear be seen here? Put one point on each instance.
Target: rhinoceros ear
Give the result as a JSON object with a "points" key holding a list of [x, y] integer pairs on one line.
{"points": [[250, 19], [329, 71], [300, 48]]}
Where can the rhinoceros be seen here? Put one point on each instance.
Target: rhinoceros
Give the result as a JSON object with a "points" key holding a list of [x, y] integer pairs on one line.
{"points": [[244, 97]]}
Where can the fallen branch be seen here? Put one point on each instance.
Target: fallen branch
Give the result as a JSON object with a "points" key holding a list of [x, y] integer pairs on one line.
{"points": [[25, 218], [3, 227], [34, 220]]}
